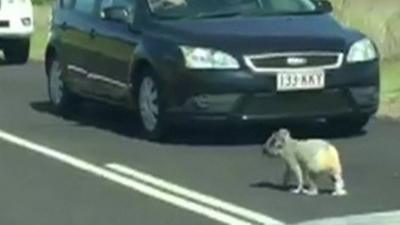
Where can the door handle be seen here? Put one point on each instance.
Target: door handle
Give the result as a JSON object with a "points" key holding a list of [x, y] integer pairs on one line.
{"points": [[64, 25], [92, 33]]}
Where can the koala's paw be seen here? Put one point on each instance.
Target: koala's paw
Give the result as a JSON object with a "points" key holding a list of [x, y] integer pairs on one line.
{"points": [[297, 191], [311, 192], [339, 193]]}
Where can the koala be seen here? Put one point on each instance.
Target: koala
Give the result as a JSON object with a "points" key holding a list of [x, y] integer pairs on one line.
{"points": [[306, 159]]}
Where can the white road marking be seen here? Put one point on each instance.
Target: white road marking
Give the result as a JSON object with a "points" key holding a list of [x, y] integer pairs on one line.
{"points": [[122, 180], [387, 218], [193, 195]]}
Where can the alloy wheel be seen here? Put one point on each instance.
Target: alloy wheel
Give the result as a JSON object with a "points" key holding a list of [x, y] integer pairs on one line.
{"points": [[55, 83], [148, 103]]}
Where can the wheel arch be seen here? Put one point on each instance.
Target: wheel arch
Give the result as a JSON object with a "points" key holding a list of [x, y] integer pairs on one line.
{"points": [[50, 53], [142, 60]]}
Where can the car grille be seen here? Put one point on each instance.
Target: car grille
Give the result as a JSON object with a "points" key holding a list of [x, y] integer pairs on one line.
{"points": [[297, 103], [275, 62]]}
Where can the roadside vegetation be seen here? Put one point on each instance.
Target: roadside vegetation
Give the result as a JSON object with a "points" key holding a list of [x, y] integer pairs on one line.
{"points": [[380, 21], [390, 105], [39, 39]]}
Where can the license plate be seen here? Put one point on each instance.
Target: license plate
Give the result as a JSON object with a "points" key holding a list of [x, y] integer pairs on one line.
{"points": [[300, 80]]}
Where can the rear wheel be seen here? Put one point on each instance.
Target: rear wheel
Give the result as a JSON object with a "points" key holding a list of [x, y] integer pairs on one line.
{"points": [[60, 97], [18, 51], [151, 106]]}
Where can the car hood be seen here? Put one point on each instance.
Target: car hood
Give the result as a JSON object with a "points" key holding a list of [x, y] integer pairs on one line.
{"points": [[262, 34]]}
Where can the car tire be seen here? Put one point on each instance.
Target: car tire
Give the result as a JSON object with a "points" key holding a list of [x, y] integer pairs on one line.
{"points": [[63, 100], [151, 106], [349, 124], [18, 51]]}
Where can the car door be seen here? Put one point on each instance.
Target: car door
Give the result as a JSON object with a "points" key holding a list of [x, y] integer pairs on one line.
{"points": [[75, 26], [112, 53]]}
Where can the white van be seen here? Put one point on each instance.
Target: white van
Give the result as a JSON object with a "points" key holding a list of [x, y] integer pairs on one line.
{"points": [[16, 28]]}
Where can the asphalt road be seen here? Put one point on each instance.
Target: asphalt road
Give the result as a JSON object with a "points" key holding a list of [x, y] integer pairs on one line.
{"points": [[39, 187]]}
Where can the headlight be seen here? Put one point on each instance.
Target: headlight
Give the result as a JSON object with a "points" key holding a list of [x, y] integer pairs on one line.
{"points": [[204, 58], [16, 1], [362, 51]]}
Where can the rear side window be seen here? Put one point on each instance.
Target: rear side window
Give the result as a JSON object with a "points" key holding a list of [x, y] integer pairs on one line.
{"points": [[290, 5], [129, 5], [85, 6], [123, 3], [67, 4]]}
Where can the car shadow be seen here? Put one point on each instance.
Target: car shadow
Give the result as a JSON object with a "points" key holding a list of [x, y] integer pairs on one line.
{"points": [[126, 123], [95, 115], [3, 62]]}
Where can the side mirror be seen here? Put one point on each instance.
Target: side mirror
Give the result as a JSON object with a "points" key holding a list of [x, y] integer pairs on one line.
{"points": [[115, 13], [324, 5]]}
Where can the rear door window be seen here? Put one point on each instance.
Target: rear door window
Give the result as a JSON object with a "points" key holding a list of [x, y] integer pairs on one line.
{"points": [[122, 3], [85, 6], [130, 5], [67, 4]]}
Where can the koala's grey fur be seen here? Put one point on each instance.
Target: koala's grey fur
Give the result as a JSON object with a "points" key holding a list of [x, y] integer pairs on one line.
{"points": [[306, 159]]}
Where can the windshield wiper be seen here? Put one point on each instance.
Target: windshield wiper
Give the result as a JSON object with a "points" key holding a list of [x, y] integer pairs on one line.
{"points": [[313, 12], [168, 17], [197, 16], [287, 13], [216, 15]]}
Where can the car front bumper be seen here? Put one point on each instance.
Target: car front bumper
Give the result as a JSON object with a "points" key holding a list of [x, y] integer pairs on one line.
{"points": [[16, 22], [352, 90]]}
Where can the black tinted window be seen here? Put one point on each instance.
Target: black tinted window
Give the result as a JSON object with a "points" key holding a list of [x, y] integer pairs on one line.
{"points": [[129, 5], [85, 6], [67, 4], [123, 3], [194, 8]]}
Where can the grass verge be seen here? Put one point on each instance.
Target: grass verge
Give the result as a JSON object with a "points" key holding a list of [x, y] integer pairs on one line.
{"points": [[39, 38], [390, 97]]}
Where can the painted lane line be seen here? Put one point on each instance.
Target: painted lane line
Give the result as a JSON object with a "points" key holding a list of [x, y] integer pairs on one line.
{"points": [[193, 195], [387, 218], [122, 180]]}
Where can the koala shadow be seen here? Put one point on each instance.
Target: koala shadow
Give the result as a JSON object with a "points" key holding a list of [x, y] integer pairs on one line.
{"points": [[272, 186], [282, 188]]}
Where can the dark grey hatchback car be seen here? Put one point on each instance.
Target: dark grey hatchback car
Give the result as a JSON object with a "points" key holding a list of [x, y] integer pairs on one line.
{"points": [[212, 60]]}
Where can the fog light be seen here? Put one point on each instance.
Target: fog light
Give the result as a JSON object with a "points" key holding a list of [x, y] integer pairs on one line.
{"points": [[365, 96], [26, 21]]}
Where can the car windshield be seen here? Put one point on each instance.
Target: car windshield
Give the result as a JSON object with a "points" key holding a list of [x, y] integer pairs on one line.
{"points": [[229, 8]]}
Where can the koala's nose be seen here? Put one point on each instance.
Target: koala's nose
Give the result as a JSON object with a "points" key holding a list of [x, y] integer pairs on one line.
{"points": [[264, 150]]}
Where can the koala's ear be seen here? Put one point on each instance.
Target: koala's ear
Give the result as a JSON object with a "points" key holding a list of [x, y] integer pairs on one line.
{"points": [[284, 133], [269, 140]]}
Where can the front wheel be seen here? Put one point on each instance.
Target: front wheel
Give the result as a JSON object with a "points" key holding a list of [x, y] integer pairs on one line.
{"points": [[151, 106]]}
